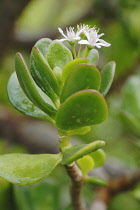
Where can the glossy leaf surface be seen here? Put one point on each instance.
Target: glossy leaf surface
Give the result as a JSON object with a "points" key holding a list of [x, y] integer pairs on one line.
{"points": [[78, 151], [80, 131], [99, 158], [93, 57], [69, 66], [82, 77], [20, 101], [38, 74], [83, 108], [96, 181], [43, 45], [25, 169], [107, 77], [42, 73], [86, 164], [58, 55], [29, 87]]}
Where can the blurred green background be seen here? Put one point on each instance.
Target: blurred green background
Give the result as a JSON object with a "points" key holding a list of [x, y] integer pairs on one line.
{"points": [[22, 23]]}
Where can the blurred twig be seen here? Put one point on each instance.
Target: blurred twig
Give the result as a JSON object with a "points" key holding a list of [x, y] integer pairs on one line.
{"points": [[116, 186]]}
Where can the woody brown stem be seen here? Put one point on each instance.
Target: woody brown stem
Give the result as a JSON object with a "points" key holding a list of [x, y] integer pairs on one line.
{"points": [[76, 187]]}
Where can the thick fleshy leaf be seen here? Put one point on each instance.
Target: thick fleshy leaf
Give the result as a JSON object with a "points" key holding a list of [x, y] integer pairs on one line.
{"points": [[29, 87], [78, 151], [107, 77], [99, 158], [84, 108], [41, 72], [25, 169], [86, 164], [82, 77], [96, 181], [69, 66], [43, 75], [58, 55], [79, 131], [93, 57], [43, 45], [20, 101]]}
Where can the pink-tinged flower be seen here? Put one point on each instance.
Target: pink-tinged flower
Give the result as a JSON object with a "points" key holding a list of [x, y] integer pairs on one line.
{"points": [[71, 35], [93, 38]]}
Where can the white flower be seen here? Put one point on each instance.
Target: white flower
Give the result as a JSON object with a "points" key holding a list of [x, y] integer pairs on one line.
{"points": [[83, 28], [93, 38], [71, 35]]}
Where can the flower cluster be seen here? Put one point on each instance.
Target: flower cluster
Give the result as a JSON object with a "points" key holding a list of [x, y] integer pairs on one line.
{"points": [[92, 38]]}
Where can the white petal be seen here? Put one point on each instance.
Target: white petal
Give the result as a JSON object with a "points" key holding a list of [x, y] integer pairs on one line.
{"points": [[83, 42], [61, 31], [101, 35], [104, 43], [61, 40], [77, 38]]}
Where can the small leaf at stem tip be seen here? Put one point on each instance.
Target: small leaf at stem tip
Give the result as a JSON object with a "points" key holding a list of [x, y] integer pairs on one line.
{"points": [[107, 77], [86, 164], [80, 131], [82, 77], [29, 87], [21, 102], [99, 157], [26, 169], [96, 181], [44, 74], [58, 55], [69, 66], [78, 151], [84, 108], [93, 57]]}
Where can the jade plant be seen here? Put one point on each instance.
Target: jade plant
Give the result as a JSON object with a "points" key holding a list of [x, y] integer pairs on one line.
{"points": [[63, 86]]}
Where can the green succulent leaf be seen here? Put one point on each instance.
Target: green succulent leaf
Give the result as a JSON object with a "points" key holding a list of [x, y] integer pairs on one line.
{"points": [[107, 77], [25, 169], [83, 76], [86, 164], [99, 158], [43, 75], [43, 45], [96, 181], [79, 131], [78, 151], [93, 57], [41, 72], [84, 108], [29, 87], [20, 101], [69, 66], [58, 55], [58, 73]]}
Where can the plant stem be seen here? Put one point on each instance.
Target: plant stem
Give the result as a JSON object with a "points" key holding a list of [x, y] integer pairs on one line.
{"points": [[75, 174], [79, 50], [73, 50], [76, 187], [86, 51]]}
